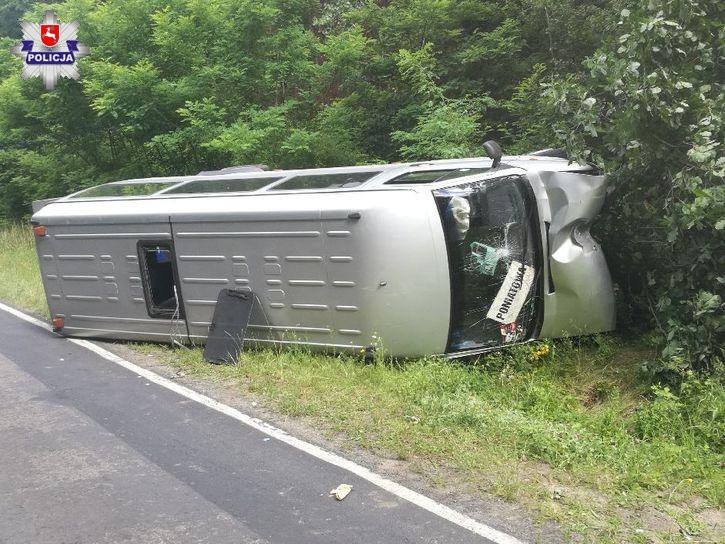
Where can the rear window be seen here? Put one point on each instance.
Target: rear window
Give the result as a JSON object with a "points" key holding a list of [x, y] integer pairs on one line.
{"points": [[239, 185], [124, 189], [431, 176], [325, 181]]}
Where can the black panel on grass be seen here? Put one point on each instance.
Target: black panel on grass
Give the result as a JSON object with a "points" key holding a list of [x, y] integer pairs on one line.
{"points": [[226, 333]]}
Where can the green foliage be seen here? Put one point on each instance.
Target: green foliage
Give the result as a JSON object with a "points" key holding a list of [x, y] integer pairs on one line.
{"points": [[254, 137], [648, 110], [11, 12], [530, 127], [20, 283], [694, 415], [445, 131], [179, 86]]}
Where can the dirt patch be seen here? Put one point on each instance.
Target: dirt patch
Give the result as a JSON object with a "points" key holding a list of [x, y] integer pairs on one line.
{"points": [[657, 522], [713, 519]]}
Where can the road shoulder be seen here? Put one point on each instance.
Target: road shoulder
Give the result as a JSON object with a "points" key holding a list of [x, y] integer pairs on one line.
{"points": [[442, 484]]}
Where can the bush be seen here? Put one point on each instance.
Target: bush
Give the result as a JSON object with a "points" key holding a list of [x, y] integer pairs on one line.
{"points": [[648, 111], [691, 416]]}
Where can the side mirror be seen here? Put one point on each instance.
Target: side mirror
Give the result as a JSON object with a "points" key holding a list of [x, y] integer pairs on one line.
{"points": [[493, 151]]}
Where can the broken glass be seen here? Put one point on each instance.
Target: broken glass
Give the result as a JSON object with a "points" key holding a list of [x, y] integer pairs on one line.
{"points": [[493, 253]]}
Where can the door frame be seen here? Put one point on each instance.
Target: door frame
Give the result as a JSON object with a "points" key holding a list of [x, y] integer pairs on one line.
{"points": [[145, 280]]}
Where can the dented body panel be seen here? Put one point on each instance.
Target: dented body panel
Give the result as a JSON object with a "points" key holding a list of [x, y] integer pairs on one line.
{"points": [[579, 295], [419, 267]]}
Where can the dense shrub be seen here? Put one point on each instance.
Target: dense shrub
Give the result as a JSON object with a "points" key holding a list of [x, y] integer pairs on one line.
{"points": [[179, 87], [648, 110]]}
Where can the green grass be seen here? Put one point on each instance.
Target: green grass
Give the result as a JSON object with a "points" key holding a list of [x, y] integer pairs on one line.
{"points": [[571, 430], [572, 434], [19, 272]]}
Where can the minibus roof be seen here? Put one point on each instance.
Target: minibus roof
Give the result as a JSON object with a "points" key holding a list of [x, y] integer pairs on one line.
{"points": [[346, 178]]}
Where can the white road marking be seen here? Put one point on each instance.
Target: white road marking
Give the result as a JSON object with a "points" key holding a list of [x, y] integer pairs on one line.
{"points": [[396, 489]]}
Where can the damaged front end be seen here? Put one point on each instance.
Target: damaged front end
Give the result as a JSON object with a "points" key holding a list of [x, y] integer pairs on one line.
{"points": [[522, 262]]}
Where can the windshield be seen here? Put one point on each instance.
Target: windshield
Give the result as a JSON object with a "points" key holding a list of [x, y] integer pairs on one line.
{"points": [[493, 256]]}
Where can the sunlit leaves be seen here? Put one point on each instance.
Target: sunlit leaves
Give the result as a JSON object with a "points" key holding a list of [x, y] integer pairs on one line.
{"points": [[179, 86], [656, 126]]}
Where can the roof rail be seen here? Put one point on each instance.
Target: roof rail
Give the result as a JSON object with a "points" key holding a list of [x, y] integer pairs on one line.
{"points": [[558, 153], [236, 169]]}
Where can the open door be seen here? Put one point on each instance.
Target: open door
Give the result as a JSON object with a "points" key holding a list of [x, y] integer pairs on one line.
{"points": [[494, 252]]}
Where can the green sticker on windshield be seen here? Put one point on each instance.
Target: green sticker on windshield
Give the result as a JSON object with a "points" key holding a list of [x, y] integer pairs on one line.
{"points": [[486, 257]]}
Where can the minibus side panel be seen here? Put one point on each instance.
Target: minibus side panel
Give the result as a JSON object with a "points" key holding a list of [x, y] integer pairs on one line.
{"points": [[328, 270], [92, 279], [277, 257]]}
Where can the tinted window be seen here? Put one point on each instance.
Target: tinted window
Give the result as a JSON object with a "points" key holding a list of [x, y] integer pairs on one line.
{"points": [[239, 185], [124, 189], [463, 172], [325, 181], [430, 176], [493, 254]]}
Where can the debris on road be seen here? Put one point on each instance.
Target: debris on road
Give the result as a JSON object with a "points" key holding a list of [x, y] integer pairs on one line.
{"points": [[341, 491]]}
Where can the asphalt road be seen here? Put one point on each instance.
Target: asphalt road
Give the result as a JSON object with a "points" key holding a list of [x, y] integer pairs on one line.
{"points": [[90, 452]]}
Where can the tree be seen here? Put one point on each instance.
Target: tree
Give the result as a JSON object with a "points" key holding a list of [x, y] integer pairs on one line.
{"points": [[175, 87], [648, 110]]}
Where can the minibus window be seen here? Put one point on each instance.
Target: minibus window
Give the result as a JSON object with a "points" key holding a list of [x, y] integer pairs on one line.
{"points": [[124, 189], [493, 256], [421, 176], [325, 181], [431, 176], [160, 289], [228, 185]]}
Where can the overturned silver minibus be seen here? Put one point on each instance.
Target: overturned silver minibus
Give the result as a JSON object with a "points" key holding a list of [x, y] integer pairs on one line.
{"points": [[452, 257]]}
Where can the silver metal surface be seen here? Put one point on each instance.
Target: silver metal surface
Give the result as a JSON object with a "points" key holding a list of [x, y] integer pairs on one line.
{"points": [[332, 268], [580, 297]]}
